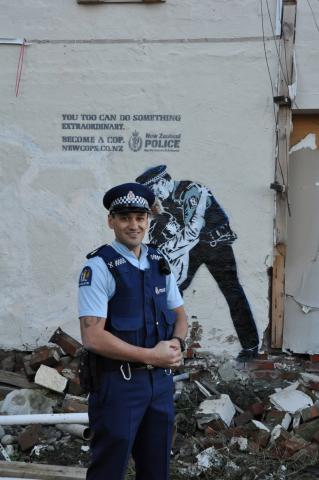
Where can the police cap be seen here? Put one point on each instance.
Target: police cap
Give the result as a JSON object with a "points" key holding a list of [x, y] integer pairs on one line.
{"points": [[152, 175], [128, 197]]}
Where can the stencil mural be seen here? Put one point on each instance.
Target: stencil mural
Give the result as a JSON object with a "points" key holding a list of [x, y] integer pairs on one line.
{"points": [[190, 228]]}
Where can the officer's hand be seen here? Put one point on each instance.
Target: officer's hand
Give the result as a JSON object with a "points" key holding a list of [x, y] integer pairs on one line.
{"points": [[166, 354]]}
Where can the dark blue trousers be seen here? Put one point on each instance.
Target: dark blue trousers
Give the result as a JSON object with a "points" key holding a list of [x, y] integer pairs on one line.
{"points": [[132, 417]]}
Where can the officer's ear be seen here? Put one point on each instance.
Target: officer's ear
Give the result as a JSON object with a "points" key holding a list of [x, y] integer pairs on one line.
{"points": [[110, 219]]}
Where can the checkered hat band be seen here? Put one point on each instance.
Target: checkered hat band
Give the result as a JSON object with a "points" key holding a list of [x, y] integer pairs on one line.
{"points": [[136, 201], [154, 179]]}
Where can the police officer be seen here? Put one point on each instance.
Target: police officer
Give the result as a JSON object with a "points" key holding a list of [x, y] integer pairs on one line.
{"points": [[132, 318], [213, 247]]}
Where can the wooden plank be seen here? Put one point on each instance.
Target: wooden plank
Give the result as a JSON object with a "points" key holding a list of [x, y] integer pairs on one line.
{"points": [[281, 173], [41, 471], [278, 296], [302, 126], [15, 379]]}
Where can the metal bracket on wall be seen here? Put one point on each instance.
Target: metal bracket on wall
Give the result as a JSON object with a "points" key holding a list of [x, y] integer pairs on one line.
{"points": [[97, 2]]}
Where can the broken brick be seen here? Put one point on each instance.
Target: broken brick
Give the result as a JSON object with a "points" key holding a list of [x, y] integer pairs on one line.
{"points": [[310, 413], [74, 386], [311, 367], [190, 353], [314, 358], [44, 356], [72, 405], [260, 437], [240, 431], [313, 386], [68, 344], [266, 374], [309, 452], [308, 429], [294, 444], [27, 368], [29, 437], [243, 418], [215, 426], [260, 364], [274, 417], [257, 409]]}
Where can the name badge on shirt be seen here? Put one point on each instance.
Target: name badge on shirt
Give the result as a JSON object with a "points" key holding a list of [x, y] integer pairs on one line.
{"points": [[158, 290], [85, 277]]}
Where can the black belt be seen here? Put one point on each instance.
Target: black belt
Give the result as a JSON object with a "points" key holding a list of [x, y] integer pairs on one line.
{"points": [[109, 365]]}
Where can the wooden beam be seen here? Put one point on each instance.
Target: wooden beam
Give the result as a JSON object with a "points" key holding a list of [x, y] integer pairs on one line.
{"points": [[278, 296], [15, 379], [41, 471], [284, 122]]}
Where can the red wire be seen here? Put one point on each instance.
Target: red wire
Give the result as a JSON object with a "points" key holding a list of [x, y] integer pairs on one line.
{"points": [[19, 69]]}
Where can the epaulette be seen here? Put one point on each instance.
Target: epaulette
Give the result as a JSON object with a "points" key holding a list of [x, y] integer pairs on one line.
{"points": [[162, 261], [95, 252]]}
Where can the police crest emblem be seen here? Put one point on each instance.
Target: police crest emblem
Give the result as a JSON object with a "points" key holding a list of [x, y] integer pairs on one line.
{"points": [[85, 277], [135, 142]]}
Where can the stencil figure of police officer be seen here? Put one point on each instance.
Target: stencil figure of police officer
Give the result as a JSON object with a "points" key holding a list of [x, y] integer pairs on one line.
{"points": [[208, 241]]}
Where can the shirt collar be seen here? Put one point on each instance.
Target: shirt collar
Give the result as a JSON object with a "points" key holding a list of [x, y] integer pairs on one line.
{"points": [[123, 250]]}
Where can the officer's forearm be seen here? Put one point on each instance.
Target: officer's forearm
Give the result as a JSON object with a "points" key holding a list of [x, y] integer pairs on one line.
{"points": [[181, 326]]}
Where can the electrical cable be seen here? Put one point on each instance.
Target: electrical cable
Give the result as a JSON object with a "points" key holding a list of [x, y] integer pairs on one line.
{"points": [[313, 15], [273, 92]]}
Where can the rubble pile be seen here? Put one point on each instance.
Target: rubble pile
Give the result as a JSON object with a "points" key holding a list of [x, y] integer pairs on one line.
{"points": [[258, 420], [44, 381], [248, 421]]}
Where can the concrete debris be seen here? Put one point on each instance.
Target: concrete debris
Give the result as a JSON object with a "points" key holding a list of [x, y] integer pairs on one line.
{"points": [[48, 377], [4, 453], [229, 372], [241, 442], [209, 458], [290, 399], [8, 440], [260, 425], [215, 409], [26, 402]]}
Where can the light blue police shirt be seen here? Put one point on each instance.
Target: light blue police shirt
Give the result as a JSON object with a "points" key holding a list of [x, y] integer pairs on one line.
{"points": [[93, 298]]}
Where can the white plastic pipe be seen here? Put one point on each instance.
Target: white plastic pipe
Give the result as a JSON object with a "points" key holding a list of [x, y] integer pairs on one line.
{"points": [[77, 430], [44, 419]]}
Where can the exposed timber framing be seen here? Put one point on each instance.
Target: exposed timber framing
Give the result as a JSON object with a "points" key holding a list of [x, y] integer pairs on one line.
{"points": [[41, 471], [284, 124]]}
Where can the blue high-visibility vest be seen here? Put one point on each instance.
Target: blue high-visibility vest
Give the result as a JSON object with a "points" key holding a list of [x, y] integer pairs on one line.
{"points": [[137, 313]]}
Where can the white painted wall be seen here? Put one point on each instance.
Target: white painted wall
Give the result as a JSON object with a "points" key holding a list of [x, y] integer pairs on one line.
{"points": [[202, 60], [307, 53]]}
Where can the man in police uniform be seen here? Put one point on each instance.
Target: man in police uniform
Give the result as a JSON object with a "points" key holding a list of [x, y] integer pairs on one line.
{"points": [[212, 247], [132, 318]]}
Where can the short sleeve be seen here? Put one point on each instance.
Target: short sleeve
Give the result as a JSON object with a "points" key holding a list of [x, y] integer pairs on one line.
{"points": [[174, 298], [96, 288]]}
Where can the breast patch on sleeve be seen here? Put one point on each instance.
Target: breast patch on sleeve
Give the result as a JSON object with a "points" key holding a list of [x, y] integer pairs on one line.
{"points": [[85, 277]]}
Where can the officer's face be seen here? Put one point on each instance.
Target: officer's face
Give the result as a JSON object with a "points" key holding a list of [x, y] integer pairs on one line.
{"points": [[161, 189], [129, 228]]}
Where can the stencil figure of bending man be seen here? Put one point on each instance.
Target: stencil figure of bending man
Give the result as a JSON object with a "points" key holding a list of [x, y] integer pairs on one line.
{"points": [[193, 230]]}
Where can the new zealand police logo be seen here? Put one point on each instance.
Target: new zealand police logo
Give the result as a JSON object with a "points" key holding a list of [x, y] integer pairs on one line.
{"points": [[135, 142], [85, 277]]}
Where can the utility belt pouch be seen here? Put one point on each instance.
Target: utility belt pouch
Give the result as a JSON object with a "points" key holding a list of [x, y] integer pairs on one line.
{"points": [[88, 371]]}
